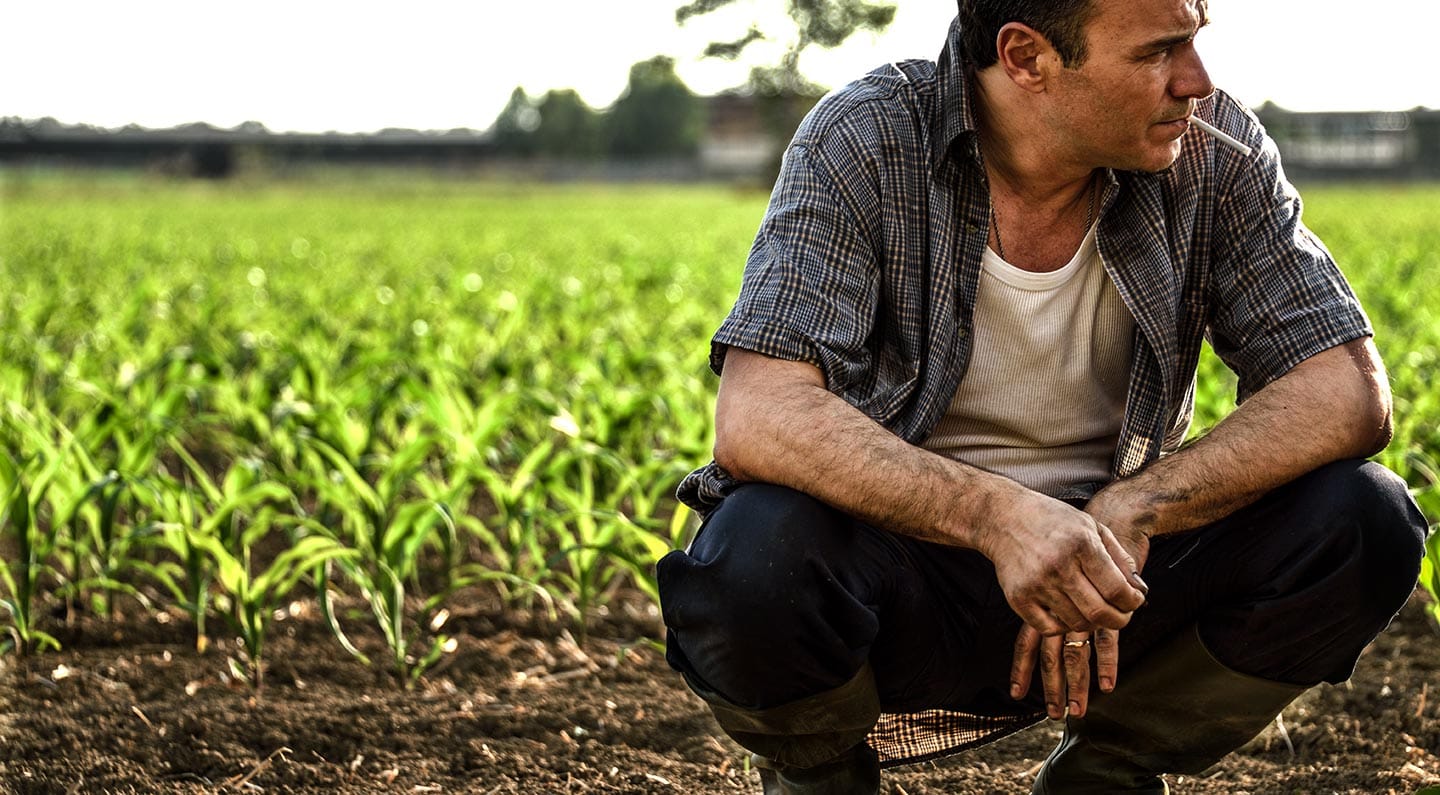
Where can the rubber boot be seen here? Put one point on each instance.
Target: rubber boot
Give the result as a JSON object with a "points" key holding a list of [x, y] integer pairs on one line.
{"points": [[1178, 711], [854, 772], [814, 746]]}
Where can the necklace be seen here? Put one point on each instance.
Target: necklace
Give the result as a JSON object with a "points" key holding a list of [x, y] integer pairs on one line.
{"points": [[995, 216]]}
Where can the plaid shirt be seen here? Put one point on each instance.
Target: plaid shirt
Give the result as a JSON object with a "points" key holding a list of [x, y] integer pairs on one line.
{"points": [[867, 263]]}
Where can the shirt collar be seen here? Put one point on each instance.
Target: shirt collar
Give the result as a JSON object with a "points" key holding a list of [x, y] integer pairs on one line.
{"points": [[956, 117]]}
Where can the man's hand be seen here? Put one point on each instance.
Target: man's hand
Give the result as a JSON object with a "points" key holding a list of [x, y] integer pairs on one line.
{"points": [[1064, 657], [1061, 571]]}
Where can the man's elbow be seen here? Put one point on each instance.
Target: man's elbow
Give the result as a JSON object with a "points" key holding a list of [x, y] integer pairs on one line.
{"points": [[1370, 399], [1376, 425], [1376, 408], [730, 449]]}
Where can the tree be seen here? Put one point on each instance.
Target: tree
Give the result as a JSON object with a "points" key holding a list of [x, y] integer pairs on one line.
{"points": [[567, 127], [514, 129], [823, 22], [656, 115]]}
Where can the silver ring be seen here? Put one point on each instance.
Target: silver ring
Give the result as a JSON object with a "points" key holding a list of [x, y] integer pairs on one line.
{"points": [[1078, 643]]}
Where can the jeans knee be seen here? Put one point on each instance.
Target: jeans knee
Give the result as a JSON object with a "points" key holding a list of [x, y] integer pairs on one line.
{"points": [[1360, 488], [1382, 529], [756, 556], [1377, 504], [761, 520], [765, 585]]}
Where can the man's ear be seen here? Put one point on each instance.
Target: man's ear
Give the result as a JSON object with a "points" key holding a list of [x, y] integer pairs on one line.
{"points": [[1023, 54]]}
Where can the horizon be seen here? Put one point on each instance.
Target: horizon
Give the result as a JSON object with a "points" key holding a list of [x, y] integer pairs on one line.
{"points": [[238, 127]]}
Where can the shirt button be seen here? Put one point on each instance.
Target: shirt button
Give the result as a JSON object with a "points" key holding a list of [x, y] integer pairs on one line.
{"points": [[972, 227]]}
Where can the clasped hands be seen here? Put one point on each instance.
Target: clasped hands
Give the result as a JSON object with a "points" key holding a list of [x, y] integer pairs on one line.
{"points": [[1075, 582]]}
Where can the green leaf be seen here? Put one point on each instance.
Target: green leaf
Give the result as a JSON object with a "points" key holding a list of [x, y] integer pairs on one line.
{"points": [[230, 573], [212, 492], [327, 611], [1430, 572], [406, 534], [292, 564], [359, 487], [43, 640]]}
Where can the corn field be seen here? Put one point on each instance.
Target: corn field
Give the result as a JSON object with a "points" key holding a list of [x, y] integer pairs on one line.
{"points": [[217, 400]]}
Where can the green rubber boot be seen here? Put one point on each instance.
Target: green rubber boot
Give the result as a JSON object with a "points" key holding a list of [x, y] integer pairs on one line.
{"points": [[1179, 711], [814, 746], [855, 772]]}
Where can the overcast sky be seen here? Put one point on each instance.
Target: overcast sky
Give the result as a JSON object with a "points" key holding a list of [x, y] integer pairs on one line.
{"points": [[315, 65]]}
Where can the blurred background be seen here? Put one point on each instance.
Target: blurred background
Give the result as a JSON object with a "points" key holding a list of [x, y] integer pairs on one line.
{"points": [[640, 90]]}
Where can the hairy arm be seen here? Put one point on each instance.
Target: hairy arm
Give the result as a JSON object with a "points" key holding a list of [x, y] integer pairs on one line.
{"points": [[777, 423], [1333, 405]]}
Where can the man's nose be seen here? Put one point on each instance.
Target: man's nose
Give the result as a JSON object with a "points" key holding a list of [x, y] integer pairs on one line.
{"points": [[1191, 79]]}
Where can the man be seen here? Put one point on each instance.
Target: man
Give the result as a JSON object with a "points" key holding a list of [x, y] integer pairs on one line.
{"points": [[952, 399]]}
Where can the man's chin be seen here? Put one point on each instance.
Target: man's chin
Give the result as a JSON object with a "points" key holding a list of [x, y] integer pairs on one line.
{"points": [[1159, 159]]}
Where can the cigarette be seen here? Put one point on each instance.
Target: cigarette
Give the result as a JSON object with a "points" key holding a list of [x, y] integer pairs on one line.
{"points": [[1220, 136]]}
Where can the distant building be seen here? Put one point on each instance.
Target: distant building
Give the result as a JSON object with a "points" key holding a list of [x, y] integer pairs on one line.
{"points": [[1392, 145], [736, 141]]}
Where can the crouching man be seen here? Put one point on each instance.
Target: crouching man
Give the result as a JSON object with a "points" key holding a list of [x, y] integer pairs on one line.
{"points": [[950, 496]]}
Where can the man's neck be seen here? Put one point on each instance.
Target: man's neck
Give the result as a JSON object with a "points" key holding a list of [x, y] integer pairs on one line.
{"points": [[1023, 157]]}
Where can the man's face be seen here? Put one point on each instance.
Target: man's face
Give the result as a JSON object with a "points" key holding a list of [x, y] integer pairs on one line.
{"points": [[1125, 105]]}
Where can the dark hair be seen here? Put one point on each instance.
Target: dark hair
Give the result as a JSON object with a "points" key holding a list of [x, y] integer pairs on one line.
{"points": [[1062, 22]]}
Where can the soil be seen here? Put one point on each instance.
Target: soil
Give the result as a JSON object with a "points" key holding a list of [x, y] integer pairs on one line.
{"points": [[522, 707]]}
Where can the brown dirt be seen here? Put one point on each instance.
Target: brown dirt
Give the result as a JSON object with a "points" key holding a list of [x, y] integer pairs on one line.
{"points": [[520, 707]]}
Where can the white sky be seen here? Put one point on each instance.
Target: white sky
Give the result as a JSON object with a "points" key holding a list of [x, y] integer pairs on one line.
{"points": [[315, 65]]}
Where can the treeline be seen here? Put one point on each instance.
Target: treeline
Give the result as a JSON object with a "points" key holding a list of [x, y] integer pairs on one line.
{"points": [[656, 116]]}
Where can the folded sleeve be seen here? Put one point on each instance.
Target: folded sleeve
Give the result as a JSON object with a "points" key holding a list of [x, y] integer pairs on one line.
{"points": [[1278, 296], [810, 289]]}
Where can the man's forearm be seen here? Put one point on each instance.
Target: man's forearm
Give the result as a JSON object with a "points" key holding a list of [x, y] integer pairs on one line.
{"points": [[775, 422], [1332, 406], [808, 439]]}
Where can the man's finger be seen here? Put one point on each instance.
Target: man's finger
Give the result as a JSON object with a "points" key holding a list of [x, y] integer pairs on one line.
{"points": [[1082, 608], [1022, 667], [1110, 576], [1054, 612], [1107, 658], [1076, 655], [1052, 675], [1130, 566]]}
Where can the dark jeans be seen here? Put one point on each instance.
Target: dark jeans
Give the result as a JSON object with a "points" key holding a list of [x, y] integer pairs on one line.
{"points": [[781, 597]]}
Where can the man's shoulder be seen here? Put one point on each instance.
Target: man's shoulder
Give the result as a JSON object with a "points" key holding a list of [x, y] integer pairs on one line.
{"points": [[899, 97], [1233, 117]]}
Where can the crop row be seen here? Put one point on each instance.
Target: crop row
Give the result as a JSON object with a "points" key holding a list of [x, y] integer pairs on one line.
{"points": [[377, 395]]}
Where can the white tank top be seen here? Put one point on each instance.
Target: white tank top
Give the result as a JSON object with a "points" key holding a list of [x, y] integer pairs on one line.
{"points": [[1044, 395]]}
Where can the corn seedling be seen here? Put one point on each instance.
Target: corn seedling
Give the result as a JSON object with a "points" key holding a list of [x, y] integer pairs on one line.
{"points": [[186, 572], [512, 536], [254, 597], [20, 574], [1430, 572], [388, 534]]}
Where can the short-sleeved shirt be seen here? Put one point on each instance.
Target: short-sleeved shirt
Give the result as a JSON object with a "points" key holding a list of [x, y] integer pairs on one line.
{"points": [[868, 260]]}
